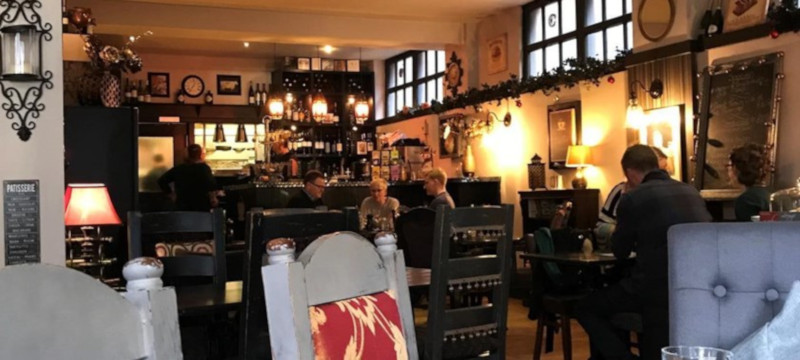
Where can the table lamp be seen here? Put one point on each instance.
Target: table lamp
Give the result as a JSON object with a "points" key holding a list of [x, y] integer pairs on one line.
{"points": [[88, 206], [579, 156]]}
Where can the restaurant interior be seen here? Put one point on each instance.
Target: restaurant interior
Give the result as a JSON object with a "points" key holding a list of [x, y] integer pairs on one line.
{"points": [[520, 111]]}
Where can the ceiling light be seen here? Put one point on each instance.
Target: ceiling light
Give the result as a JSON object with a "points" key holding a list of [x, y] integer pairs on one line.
{"points": [[327, 49], [246, 44]]}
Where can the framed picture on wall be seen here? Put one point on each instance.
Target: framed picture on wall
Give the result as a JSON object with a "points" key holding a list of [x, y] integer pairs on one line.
{"points": [[327, 64], [563, 124], [159, 84], [662, 130], [353, 65], [340, 65], [316, 64], [229, 85], [303, 64], [744, 13], [497, 54], [450, 136]]}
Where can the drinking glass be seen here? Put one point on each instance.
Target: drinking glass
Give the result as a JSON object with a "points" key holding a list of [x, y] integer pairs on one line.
{"points": [[694, 353]]}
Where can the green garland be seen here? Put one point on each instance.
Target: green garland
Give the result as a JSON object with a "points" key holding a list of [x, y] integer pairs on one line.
{"points": [[574, 71], [784, 17]]}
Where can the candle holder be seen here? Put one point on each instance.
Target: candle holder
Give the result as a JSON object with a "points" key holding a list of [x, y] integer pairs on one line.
{"points": [[22, 32]]}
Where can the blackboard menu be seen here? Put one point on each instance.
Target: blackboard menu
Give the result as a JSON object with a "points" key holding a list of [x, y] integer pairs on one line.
{"points": [[21, 214], [740, 101]]}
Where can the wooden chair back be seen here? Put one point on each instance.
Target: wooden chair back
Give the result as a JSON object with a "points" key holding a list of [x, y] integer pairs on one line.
{"points": [[415, 236], [484, 324], [302, 225], [145, 229]]}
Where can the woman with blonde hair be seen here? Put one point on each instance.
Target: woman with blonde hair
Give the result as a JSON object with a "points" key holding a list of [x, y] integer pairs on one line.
{"points": [[380, 205]]}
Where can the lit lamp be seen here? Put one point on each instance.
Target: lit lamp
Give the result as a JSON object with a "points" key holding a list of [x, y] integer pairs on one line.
{"points": [[319, 107], [275, 103], [579, 156], [241, 134], [21, 49], [89, 206], [361, 110], [219, 134]]}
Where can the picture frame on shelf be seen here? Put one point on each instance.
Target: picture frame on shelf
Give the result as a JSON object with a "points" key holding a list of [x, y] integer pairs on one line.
{"points": [[340, 65], [316, 64], [450, 136], [290, 62], [159, 84], [229, 85], [662, 129], [303, 64], [497, 54], [353, 65], [563, 125], [740, 14], [327, 65]]}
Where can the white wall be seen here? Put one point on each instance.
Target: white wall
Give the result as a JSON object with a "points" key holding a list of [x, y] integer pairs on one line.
{"points": [[42, 157]]}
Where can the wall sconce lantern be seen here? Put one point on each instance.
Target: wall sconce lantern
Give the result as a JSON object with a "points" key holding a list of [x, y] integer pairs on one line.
{"points": [[361, 110], [21, 40], [635, 118], [275, 103], [319, 107]]}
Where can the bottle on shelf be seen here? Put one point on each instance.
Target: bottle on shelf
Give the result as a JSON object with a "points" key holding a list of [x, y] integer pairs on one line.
{"points": [[339, 147], [251, 95], [134, 93], [327, 143], [209, 99], [147, 96], [64, 17], [263, 96], [715, 26], [128, 92], [370, 143], [140, 92], [181, 98]]}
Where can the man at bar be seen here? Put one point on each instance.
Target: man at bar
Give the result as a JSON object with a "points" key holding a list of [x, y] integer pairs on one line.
{"points": [[435, 183], [652, 203], [191, 185], [310, 196]]}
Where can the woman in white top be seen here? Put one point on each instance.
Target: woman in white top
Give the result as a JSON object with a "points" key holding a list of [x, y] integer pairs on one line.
{"points": [[382, 207]]}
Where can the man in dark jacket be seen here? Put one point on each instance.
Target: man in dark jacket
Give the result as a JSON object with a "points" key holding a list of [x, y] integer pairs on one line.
{"points": [[311, 194], [191, 185], [652, 203]]}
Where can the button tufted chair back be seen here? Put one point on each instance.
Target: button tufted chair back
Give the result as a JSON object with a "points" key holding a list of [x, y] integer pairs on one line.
{"points": [[726, 280]]}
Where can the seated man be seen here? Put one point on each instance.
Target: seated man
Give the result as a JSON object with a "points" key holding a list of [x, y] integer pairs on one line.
{"points": [[382, 207], [435, 183], [652, 204], [311, 195]]}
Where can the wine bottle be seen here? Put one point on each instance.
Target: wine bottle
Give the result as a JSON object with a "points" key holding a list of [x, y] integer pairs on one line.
{"points": [[327, 146], [64, 17], [251, 95], [209, 98], [181, 97], [715, 28], [339, 145], [147, 97], [140, 92], [706, 20], [128, 92], [263, 94]]}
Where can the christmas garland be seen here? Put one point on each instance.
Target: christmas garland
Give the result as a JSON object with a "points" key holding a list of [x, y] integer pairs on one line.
{"points": [[573, 72], [784, 17]]}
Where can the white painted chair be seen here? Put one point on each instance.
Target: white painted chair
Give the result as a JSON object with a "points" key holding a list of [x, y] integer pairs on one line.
{"points": [[52, 312], [342, 298]]}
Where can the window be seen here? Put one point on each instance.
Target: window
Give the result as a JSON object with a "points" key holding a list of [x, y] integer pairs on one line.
{"points": [[556, 30], [413, 78]]}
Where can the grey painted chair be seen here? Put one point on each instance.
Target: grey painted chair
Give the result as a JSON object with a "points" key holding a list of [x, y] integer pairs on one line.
{"points": [[726, 280]]}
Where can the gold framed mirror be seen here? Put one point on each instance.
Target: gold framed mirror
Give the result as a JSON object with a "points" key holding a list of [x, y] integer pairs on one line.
{"points": [[655, 18]]}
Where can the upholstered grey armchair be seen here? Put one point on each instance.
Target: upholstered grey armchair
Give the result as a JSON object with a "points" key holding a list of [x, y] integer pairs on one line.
{"points": [[726, 280]]}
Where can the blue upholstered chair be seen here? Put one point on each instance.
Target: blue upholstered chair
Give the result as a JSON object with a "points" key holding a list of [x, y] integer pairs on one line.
{"points": [[726, 280]]}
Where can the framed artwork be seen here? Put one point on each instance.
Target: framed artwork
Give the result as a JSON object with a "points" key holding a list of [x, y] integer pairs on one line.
{"points": [[290, 62], [159, 84], [303, 64], [339, 65], [327, 65], [229, 85], [497, 54], [661, 129], [744, 13], [450, 136], [563, 124], [353, 65], [316, 64]]}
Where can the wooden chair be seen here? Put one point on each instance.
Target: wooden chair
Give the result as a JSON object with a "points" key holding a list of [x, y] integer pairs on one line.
{"points": [[473, 331], [415, 236], [52, 312], [342, 298], [302, 225], [144, 230]]}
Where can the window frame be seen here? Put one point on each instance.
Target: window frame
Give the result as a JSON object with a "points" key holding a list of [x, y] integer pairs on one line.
{"points": [[580, 33], [414, 83]]}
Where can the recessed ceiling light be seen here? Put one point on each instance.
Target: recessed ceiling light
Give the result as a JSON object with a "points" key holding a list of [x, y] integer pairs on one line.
{"points": [[246, 44], [327, 49]]}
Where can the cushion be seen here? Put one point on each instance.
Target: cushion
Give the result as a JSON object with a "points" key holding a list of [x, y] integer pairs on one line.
{"points": [[164, 249], [778, 338], [366, 327]]}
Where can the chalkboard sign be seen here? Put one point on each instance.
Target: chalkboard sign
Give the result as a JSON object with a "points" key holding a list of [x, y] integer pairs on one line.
{"points": [[21, 213], [738, 107]]}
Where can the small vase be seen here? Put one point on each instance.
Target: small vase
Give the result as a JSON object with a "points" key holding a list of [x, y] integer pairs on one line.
{"points": [[110, 91], [469, 162]]}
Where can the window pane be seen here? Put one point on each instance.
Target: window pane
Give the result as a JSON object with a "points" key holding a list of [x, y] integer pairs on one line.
{"points": [[551, 28], [431, 62], [613, 9], [392, 81], [535, 63], [431, 90], [400, 100], [420, 65], [439, 87], [410, 97], [552, 58], [628, 6], [421, 98], [440, 61], [569, 50], [535, 32], [629, 45], [568, 16], [409, 69], [615, 40], [594, 11], [390, 104], [594, 45], [401, 73]]}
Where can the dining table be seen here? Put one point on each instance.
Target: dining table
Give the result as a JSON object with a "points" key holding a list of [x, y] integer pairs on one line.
{"points": [[578, 258]]}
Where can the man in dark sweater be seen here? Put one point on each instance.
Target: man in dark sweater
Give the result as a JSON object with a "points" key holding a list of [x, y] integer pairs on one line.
{"points": [[652, 204], [191, 185], [311, 194]]}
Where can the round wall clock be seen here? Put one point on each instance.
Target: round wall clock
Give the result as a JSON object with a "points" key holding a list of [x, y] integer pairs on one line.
{"points": [[193, 86]]}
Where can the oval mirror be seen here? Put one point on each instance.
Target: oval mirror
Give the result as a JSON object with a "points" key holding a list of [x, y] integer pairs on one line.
{"points": [[656, 18]]}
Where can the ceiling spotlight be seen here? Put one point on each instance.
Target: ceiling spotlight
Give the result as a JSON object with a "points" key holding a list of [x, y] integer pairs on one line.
{"points": [[246, 44], [327, 49]]}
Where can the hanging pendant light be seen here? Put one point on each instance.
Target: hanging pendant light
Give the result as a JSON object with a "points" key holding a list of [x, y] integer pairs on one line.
{"points": [[241, 135], [219, 134], [361, 108], [275, 101], [319, 107]]}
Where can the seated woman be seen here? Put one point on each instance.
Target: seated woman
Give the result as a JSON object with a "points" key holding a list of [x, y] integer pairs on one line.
{"points": [[746, 169], [382, 207]]}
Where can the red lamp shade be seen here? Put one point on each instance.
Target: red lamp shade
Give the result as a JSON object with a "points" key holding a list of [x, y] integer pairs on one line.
{"points": [[89, 204]]}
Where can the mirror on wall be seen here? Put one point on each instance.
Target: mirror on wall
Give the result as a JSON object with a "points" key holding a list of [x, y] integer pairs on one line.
{"points": [[656, 18]]}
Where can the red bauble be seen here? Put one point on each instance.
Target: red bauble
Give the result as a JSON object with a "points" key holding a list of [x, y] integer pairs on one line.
{"points": [[519, 103], [774, 34], [611, 80]]}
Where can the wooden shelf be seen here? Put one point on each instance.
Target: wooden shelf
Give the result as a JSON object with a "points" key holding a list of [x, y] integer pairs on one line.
{"points": [[741, 35]]}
